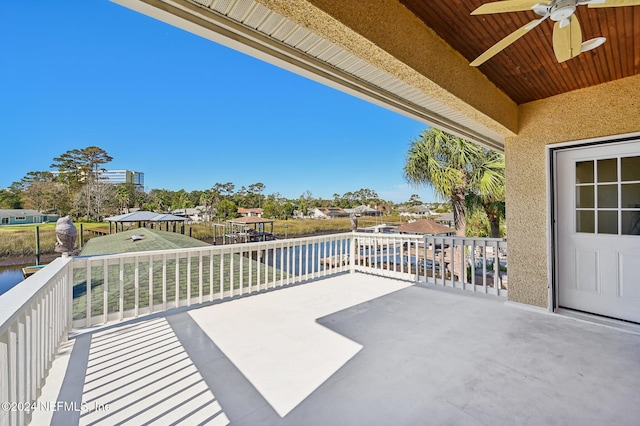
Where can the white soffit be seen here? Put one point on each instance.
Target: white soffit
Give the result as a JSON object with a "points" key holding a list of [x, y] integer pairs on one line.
{"points": [[251, 28]]}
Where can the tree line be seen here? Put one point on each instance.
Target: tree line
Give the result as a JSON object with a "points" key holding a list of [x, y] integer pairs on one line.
{"points": [[469, 177], [74, 187]]}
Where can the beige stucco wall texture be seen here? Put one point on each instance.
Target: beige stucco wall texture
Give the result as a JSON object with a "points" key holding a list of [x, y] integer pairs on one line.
{"points": [[609, 109], [391, 37]]}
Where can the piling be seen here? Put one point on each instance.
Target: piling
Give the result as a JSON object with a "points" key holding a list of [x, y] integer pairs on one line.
{"points": [[37, 245]]}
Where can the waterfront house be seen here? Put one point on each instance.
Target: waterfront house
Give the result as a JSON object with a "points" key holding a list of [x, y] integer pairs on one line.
{"points": [[445, 219], [253, 212], [195, 214], [362, 210], [570, 132], [415, 211], [328, 212], [25, 216]]}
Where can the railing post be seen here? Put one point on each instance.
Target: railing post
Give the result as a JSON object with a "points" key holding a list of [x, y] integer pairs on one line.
{"points": [[352, 253], [69, 282]]}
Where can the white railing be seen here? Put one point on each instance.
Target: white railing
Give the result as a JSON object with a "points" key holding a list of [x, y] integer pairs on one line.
{"points": [[37, 315], [115, 287], [33, 323], [465, 263]]}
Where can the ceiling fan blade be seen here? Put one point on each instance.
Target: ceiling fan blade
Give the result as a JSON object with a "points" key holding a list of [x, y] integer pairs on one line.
{"points": [[615, 3], [502, 44], [567, 39], [505, 6]]}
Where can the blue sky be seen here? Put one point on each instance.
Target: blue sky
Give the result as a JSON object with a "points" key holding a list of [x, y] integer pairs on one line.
{"points": [[184, 110]]}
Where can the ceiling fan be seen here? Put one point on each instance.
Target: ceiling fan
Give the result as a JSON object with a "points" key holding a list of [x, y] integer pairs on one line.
{"points": [[567, 35]]}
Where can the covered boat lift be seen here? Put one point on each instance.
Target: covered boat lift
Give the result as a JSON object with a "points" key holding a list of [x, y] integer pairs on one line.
{"points": [[144, 217], [249, 229]]}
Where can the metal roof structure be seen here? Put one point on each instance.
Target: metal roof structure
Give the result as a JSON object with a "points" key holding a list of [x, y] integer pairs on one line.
{"points": [[140, 239], [251, 220], [143, 216]]}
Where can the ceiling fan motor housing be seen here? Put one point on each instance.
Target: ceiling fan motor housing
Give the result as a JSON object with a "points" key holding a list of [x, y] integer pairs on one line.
{"points": [[562, 10]]}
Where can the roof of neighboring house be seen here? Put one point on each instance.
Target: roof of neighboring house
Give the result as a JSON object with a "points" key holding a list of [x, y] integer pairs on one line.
{"points": [[361, 209], [331, 211], [252, 210], [251, 219], [188, 211], [21, 212], [150, 240], [425, 226], [143, 216], [445, 217]]}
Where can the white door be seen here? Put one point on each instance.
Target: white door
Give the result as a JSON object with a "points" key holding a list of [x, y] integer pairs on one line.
{"points": [[598, 229]]}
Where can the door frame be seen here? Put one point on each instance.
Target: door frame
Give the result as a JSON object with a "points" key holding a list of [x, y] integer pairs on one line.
{"points": [[551, 153]]}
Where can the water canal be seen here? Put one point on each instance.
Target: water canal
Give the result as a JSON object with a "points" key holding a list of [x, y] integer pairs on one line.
{"points": [[10, 276]]}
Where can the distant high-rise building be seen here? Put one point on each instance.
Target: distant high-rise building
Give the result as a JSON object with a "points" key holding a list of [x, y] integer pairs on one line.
{"points": [[123, 176]]}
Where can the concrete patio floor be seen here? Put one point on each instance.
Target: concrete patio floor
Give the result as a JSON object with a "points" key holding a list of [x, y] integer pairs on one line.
{"points": [[349, 350]]}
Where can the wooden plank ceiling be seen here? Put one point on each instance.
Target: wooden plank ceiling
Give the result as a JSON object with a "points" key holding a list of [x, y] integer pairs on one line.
{"points": [[527, 70]]}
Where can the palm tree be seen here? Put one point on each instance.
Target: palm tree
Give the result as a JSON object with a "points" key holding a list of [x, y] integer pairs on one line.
{"points": [[487, 188], [455, 168]]}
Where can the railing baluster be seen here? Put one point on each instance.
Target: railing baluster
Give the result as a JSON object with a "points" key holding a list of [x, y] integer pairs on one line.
{"points": [[484, 268], [189, 279], [453, 263], [105, 291], [242, 269], [164, 282], [200, 279], [231, 272], [496, 269], [300, 257], [34, 382], [150, 284], [313, 259], [473, 265], [88, 293], [281, 280], [121, 295], [177, 274], [21, 359], [259, 268], [136, 287], [221, 286], [273, 263], [211, 276], [12, 372]]}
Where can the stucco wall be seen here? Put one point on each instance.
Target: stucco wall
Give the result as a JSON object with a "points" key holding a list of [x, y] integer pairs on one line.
{"points": [[606, 110]]}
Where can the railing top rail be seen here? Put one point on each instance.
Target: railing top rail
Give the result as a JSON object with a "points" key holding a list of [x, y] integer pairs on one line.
{"points": [[25, 293], [467, 240]]}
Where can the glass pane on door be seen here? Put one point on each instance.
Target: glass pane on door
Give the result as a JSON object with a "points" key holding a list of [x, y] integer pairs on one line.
{"points": [[631, 195], [584, 197], [585, 221], [608, 222], [631, 222], [607, 196], [608, 170], [630, 168], [584, 172]]}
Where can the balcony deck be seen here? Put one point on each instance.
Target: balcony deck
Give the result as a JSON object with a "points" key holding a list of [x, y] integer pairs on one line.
{"points": [[350, 349]]}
